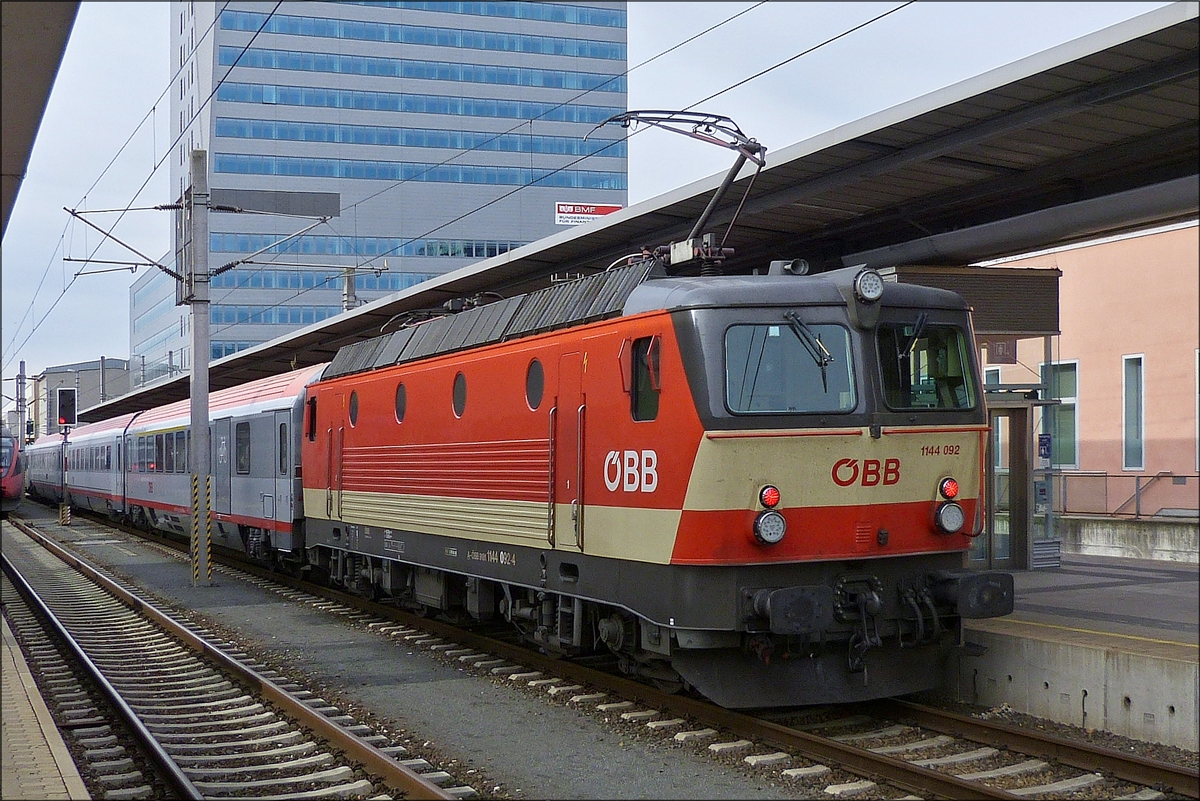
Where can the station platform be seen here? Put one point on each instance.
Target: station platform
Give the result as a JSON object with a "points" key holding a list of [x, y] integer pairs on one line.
{"points": [[1101, 642], [34, 761]]}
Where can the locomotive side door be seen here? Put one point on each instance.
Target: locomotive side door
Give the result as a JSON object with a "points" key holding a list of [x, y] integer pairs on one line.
{"points": [[222, 465], [336, 434], [568, 453]]}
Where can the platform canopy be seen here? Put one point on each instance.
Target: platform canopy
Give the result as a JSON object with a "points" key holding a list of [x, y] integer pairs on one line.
{"points": [[34, 40], [1094, 137]]}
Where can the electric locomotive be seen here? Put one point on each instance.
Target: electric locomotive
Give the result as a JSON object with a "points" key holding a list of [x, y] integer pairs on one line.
{"points": [[12, 472], [758, 486]]}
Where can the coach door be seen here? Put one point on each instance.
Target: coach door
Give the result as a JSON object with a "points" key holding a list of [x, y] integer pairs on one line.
{"points": [[222, 465], [568, 453], [284, 489]]}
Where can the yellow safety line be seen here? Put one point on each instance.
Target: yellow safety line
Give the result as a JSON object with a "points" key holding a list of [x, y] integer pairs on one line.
{"points": [[1108, 633]]}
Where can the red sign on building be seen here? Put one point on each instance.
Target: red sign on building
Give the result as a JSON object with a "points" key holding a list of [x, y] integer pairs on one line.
{"points": [[578, 213]]}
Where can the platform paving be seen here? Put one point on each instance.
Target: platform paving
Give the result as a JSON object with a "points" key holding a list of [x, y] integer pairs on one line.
{"points": [[34, 760]]}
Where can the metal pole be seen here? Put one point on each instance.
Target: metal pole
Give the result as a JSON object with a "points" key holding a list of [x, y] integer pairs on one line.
{"points": [[197, 275], [21, 405], [349, 298]]}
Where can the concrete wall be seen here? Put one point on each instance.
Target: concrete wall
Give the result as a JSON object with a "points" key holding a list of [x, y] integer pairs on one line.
{"points": [[1146, 691], [1169, 541]]}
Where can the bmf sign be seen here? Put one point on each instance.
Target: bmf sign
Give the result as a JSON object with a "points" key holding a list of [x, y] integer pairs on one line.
{"points": [[579, 213]]}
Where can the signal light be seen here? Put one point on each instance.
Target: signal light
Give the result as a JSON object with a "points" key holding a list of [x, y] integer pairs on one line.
{"points": [[948, 488], [67, 415], [769, 496]]}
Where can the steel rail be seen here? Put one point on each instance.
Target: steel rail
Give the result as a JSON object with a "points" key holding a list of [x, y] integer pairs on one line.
{"points": [[856, 760], [396, 776], [162, 761], [1130, 767], [898, 772]]}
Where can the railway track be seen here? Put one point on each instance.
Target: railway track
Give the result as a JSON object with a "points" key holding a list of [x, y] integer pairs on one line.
{"points": [[882, 750], [207, 724]]}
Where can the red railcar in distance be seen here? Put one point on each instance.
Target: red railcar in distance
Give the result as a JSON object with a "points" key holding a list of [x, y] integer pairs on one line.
{"points": [[12, 472]]}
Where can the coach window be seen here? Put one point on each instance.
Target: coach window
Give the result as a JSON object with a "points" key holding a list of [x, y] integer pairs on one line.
{"points": [[181, 451], [141, 454], [242, 445], [353, 409], [283, 449], [401, 402], [535, 384], [169, 454], [646, 378], [159, 453], [460, 394]]}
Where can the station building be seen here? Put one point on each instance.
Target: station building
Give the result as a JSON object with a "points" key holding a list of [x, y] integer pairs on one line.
{"points": [[1123, 385], [423, 119]]}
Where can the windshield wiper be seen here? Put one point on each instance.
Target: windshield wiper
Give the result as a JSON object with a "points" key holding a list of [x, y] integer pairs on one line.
{"points": [[812, 343], [918, 329]]}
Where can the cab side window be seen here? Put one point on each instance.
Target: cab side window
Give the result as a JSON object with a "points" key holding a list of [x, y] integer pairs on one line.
{"points": [[646, 384]]}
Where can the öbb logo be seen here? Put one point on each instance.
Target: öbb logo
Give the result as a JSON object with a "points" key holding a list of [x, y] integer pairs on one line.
{"points": [[632, 471], [847, 471]]}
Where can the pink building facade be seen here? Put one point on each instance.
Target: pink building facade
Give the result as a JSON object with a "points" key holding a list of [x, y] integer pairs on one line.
{"points": [[1126, 368]]}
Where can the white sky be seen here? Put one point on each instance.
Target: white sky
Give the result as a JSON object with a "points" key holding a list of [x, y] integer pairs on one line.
{"points": [[115, 71]]}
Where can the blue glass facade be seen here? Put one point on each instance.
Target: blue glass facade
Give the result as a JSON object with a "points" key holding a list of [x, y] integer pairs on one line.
{"points": [[296, 131], [343, 64], [328, 28], [361, 169], [447, 132]]}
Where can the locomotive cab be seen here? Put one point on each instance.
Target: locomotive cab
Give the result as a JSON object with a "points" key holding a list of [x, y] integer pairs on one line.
{"points": [[837, 485]]}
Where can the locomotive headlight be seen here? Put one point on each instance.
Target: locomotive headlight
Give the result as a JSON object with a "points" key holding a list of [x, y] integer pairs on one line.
{"points": [[769, 496], [769, 527], [948, 488], [950, 517], [868, 285]]}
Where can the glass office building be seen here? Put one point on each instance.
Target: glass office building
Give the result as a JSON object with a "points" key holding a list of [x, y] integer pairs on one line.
{"points": [[449, 130]]}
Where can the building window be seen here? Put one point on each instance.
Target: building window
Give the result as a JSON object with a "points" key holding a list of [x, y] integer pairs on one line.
{"points": [[1061, 422], [1133, 415]]}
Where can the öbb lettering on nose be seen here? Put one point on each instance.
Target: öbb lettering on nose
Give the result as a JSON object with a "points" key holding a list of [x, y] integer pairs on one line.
{"points": [[870, 473]]}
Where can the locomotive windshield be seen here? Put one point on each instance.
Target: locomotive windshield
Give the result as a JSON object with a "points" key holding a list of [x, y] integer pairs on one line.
{"points": [[788, 367], [925, 366], [8, 446]]}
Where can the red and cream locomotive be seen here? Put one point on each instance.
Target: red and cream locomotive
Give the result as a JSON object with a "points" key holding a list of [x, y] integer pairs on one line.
{"points": [[758, 486]]}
